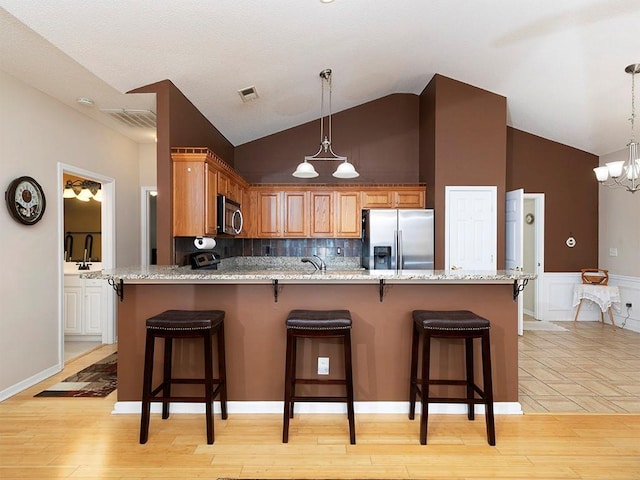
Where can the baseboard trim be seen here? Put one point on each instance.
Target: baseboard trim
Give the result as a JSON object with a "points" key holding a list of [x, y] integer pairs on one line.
{"points": [[500, 408], [29, 382]]}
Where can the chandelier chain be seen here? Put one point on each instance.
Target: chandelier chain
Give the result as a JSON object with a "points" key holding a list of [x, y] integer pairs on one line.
{"points": [[633, 105]]}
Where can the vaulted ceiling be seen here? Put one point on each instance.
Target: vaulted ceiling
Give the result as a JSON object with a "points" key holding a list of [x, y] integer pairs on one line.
{"points": [[559, 63]]}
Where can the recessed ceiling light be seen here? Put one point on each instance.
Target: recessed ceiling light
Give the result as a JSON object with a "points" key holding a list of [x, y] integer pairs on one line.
{"points": [[326, 1], [87, 102]]}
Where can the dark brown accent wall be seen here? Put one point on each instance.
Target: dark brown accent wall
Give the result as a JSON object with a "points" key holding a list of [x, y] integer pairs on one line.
{"points": [[380, 138], [468, 128], [565, 176], [179, 123]]}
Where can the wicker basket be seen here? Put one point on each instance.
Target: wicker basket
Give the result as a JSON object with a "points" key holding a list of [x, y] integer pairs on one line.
{"points": [[595, 276]]}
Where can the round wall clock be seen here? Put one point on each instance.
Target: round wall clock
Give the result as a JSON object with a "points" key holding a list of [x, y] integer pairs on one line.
{"points": [[25, 200]]}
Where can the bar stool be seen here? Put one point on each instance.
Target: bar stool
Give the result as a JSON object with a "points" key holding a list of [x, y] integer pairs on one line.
{"points": [[317, 324], [173, 324], [451, 324]]}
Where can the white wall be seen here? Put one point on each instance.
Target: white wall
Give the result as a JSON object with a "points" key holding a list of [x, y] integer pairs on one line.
{"points": [[619, 228], [36, 133]]}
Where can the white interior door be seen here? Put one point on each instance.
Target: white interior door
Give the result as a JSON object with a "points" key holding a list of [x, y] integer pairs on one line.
{"points": [[514, 241], [470, 228]]}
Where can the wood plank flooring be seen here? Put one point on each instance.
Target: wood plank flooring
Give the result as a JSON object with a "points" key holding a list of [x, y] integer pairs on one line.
{"points": [[80, 439]]}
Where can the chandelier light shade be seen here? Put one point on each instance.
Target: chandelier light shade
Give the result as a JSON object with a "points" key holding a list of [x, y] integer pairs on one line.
{"points": [[625, 174], [83, 190], [325, 152]]}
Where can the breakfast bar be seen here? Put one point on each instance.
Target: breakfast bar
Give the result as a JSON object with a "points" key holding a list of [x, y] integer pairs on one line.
{"points": [[257, 302]]}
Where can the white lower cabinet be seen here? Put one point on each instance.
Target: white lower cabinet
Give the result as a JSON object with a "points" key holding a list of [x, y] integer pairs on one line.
{"points": [[83, 306]]}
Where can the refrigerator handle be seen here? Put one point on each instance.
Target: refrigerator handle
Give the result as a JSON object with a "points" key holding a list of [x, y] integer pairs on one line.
{"points": [[400, 253]]}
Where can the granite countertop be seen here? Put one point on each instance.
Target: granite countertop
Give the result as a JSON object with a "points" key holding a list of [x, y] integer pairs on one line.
{"points": [[293, 271]]}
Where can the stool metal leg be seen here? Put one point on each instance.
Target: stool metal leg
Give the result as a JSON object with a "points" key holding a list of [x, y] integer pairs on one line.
{"points": [[488, 387], [146, 388], [468, 344], [349, 384], [222, 372], [166, 375], [208, 386], [413, 377], [289, 374], [424, 395]]}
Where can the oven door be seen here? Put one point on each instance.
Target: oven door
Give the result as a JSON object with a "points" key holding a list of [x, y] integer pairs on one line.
{"points": [[230, 220]]}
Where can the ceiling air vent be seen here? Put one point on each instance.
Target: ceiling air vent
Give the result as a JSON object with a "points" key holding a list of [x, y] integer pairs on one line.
{"points": [[133, 118], [248, 94]]}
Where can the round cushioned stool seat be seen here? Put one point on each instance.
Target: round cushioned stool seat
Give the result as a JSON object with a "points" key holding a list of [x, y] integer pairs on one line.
{"points": [[319, 319], [181, 320], [450, 320]]}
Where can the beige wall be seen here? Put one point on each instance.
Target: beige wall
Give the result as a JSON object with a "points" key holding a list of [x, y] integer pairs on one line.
{"points": [[619, 226], [148, 164], [36, 133]]}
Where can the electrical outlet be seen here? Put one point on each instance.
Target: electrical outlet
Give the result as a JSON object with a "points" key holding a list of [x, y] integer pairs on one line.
{"points": [[323, 365], [628, 304]]}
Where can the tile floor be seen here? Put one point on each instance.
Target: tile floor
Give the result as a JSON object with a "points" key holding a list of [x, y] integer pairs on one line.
{"points": [[587, 368], [75, 349]]}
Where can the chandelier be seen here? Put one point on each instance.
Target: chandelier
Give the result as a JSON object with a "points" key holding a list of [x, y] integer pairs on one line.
{"points": [[325, 152], [83, 190], [625, 174]]}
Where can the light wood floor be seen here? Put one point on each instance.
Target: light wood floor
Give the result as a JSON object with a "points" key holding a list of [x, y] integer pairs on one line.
{"points": [[79, 438]]}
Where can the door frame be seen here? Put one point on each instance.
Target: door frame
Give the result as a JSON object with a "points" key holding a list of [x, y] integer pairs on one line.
{"points": [[145, 233], [108, 237], [539, 201]]}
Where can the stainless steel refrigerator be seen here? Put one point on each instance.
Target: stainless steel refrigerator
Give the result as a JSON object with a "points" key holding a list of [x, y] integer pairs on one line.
{"points": [[397, 239]]}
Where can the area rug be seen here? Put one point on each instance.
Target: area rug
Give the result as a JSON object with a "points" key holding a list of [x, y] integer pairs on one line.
{"points": [[539, 325], [97, 380]]}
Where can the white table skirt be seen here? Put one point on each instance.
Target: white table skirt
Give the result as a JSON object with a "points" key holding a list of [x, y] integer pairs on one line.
{"points": [[604, 295]]}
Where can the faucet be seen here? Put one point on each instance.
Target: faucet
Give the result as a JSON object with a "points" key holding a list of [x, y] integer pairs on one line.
{"points": [[308, 260], [323, 266]]}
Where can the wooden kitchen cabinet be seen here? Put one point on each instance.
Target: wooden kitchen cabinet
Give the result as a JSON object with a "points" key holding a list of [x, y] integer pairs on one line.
{"points": [[198, 176], [321, 213], [393, 198], [269, 214], [295, 214], [348, 214], [194, 199]]}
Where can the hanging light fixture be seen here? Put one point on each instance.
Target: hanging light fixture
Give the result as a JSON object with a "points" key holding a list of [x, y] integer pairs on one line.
{"points": [[625, 174], [83, 190], [325, 152]]}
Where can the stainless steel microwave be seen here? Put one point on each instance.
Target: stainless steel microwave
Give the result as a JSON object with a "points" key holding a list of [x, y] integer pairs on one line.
{"points": [[229, 216]]}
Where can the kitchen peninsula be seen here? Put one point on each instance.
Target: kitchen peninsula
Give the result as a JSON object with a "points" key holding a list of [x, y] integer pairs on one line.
{"points": [[257, 301]]}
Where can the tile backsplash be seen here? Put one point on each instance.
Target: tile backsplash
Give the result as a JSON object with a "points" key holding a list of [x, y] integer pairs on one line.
{"points": [[273, 247]]}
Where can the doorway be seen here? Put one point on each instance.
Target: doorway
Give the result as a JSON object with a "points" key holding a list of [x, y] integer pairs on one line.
{"points": [[86, 307], [148, 237], [533, 253]]}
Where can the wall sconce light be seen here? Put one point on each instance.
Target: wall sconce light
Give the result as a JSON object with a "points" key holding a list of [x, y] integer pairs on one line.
{"points": [[83, 190]]}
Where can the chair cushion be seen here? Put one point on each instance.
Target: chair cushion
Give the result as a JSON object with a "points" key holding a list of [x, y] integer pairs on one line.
{"points": [[319, 319], [449, 320], [186, 320]]}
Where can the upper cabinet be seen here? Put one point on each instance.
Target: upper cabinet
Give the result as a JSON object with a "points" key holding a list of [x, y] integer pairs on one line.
{"points": [[198, 176], [348, 214], [396, 197]]}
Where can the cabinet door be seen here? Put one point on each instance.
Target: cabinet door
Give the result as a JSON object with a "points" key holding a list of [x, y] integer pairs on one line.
{"points": [[73, 309], [348, 214], [92, 314], [377, 199], [296, 214], [211, 208], [409, 199], [321, 213], [188, 199], [269, 214]]}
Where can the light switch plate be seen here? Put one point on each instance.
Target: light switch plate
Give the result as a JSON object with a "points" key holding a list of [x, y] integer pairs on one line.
{"points": [[613, 252]]}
